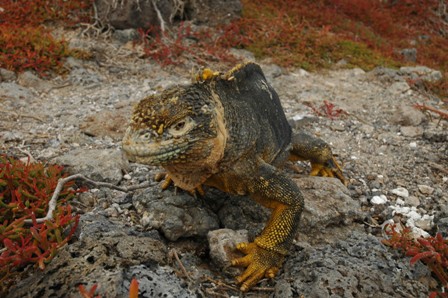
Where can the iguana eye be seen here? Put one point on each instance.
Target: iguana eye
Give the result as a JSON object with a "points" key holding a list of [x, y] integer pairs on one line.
{"points": [[182, 127], [179, 125], [145, 134]]}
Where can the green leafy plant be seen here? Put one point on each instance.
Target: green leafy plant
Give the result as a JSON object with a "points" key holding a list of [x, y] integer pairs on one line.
{"points": [[431, 251], [25, 192]]}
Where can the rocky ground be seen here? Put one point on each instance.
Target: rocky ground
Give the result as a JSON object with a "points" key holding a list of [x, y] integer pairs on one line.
{"points": [[394, 157]]}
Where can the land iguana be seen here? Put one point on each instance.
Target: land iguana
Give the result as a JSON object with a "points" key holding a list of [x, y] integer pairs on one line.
{"points": [[229, 131]]}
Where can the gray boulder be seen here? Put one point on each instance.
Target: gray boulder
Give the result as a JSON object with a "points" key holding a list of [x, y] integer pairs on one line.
{"points": [[126, 14]]}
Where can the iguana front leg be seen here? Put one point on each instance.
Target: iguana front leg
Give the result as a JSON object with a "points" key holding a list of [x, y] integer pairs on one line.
{"points": [[167, 181], [266, 254], [318, 152]]}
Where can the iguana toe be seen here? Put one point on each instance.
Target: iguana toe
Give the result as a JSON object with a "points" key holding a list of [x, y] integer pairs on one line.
{"points": [[167, 181], [260, 263], [330, 169]]}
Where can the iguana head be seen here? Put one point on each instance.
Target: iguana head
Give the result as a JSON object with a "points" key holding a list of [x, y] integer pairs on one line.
{"points": [[178, 126]]}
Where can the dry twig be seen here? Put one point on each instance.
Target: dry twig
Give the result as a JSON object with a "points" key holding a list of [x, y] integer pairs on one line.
{"points": [[212, 293], [97, 27], [173, 252], [29, 158], [60, 185], [221, 284], [265, 289], [22, 115], [159, 15], [438, 167], [423, 107]]}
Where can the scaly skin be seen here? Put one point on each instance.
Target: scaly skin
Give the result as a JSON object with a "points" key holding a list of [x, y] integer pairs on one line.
{"points": [[229, 131]]}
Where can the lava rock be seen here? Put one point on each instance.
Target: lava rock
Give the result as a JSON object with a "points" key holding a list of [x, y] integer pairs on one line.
{"points": [[29, 80], [243, 213], [7, 75], [359, 266], [159, 281], [327, 203], [222, 245], [398, 88], [411, 131], [146, 14], [97, 257], [175, 216], [406, 115], [107, 123], [422, 72], [14, 91], [409, 54], [126, 35], [98, 164]]}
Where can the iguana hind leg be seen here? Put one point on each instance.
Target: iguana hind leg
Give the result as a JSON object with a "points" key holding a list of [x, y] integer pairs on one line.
{"points": [[266, 254], [318, 152]]}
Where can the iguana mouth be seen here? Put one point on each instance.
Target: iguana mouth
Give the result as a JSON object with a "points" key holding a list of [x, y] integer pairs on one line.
{"points": [[155, 153]]}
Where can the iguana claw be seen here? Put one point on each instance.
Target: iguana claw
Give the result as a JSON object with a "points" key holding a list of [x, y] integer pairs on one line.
{"points": [[330, 169], [167, 181], [260, 263]]}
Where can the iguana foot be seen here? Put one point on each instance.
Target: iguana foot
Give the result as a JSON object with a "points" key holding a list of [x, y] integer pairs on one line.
{"points": [[259, 262], [330, 169], [167, 181]]}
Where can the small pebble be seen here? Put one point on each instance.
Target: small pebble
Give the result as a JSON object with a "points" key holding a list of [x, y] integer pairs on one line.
{"points": [[425, 189], [425, 222], [401, 192], [413, 201], [378, 200], [413, 145]]}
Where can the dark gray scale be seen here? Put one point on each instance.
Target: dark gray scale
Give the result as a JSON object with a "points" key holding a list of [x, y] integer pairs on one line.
{"points": [[254, 114]]}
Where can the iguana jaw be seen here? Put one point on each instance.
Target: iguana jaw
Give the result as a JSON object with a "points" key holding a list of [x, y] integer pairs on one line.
{"points": [[154, 152]]}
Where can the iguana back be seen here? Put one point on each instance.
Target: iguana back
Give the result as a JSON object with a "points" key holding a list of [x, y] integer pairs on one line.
{"points": [[254, 116]]}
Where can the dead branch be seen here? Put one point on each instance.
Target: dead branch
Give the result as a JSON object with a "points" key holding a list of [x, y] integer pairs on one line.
{"points": [[159, 15], [63, 181], [423, 107], [179, 8], [23, 115], [173, 252], [438, 167], [29, 158], [97, 27], [265, 289], [212, 293]]}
